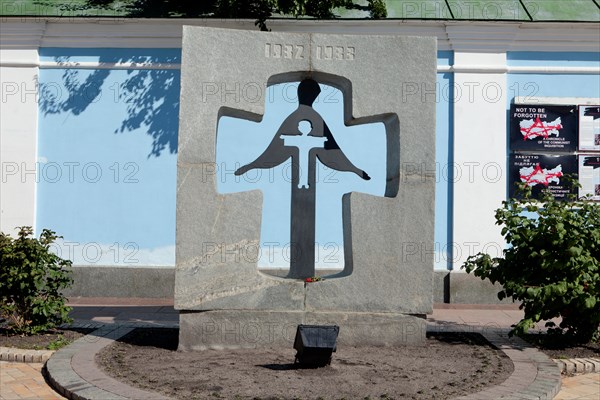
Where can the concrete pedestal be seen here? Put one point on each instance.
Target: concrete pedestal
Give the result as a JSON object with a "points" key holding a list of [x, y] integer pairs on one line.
{"points": [[254, 329]]}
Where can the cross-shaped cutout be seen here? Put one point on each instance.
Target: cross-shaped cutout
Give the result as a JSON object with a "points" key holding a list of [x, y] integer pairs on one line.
{"points": [[303, 144]]}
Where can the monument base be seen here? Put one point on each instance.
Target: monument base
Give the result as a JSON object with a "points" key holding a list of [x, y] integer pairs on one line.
{"points": [[233, 329]]}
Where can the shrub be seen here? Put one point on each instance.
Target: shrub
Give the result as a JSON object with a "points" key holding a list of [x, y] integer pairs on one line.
{"points": [[31, 280], [552, 263]]}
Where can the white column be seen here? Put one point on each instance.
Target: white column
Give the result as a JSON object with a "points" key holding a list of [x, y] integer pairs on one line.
{"points": [[480, 150], [18, 137]]}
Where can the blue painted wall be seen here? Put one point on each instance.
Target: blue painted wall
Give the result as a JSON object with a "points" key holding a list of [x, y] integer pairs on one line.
{"points": [[443, 157], [107, 152], [552, 59], [107, 157], [553, 85], [108, 149]]}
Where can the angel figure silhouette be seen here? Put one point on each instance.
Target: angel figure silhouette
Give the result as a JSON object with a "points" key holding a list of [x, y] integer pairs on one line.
{"points": [[303, 136]]}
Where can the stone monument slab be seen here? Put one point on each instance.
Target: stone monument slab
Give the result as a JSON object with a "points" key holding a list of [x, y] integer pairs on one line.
{"points": [[388, 241]]}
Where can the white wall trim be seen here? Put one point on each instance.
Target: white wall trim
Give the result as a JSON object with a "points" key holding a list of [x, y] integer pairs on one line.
{"points": [[555, 70], [481, 69], [556, 100], [21, 34], [19, 64], [105, 65], [17, 32], [486, 69], [479, 154], [18, 140], [86, 65]]}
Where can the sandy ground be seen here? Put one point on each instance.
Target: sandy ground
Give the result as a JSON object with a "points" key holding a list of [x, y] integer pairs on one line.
{"points": [[447, 366]]}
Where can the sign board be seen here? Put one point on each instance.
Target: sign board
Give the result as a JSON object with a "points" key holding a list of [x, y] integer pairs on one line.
{"points": [[589, 176], [541, 172], [543, 128], [589, 128]]}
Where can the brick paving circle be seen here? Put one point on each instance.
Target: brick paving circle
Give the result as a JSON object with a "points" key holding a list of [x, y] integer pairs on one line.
{"points": [[24, 381]]}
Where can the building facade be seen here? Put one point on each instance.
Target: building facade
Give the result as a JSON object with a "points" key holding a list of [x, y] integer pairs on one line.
{"points": [[89, 121]]}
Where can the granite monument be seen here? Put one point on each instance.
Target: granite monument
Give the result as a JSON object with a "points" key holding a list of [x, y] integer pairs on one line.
{"points": [[385, 287]]}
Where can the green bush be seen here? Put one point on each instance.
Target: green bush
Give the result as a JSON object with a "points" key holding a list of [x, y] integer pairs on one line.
{"points": [[552, 263], [31, 281]]}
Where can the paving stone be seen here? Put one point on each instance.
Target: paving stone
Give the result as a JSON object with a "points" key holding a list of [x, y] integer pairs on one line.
{"points": [[29, 385], [595, 364], [579, 366], [569, 366]]}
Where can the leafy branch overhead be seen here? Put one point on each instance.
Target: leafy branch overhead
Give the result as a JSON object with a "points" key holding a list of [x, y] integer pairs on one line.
{"points": [[320, 9], [152, 96], [258, 10], [552, 264]]}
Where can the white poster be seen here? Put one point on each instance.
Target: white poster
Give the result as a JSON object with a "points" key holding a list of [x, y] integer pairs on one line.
{"points": [[589, 176], [589, 128]]}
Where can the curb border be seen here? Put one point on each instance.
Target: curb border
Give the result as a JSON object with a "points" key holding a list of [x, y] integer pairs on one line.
{"points": [[13, 354], [578, 366], [535, 375], [72, 372]]}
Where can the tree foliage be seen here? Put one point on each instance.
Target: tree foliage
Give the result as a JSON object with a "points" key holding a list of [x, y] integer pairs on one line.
{"points": [[552, 264], [152, 96], [31, 281], [259, 10]]}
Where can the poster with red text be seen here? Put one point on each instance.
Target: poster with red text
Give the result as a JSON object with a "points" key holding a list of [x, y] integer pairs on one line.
{"points": [[542, 172], [543, 128]]}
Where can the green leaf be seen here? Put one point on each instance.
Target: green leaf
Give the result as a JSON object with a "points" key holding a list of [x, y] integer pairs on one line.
{"points": [[32, 281], [590, 302], [552, 263]]}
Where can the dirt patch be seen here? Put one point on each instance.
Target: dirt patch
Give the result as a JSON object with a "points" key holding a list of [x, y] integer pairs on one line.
{"points": [[555, 347], [448, 365], [48, 340]]}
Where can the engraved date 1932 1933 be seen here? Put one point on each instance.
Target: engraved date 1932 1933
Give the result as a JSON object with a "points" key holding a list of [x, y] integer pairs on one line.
{"points": [[289, 51], [296, 52]]}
